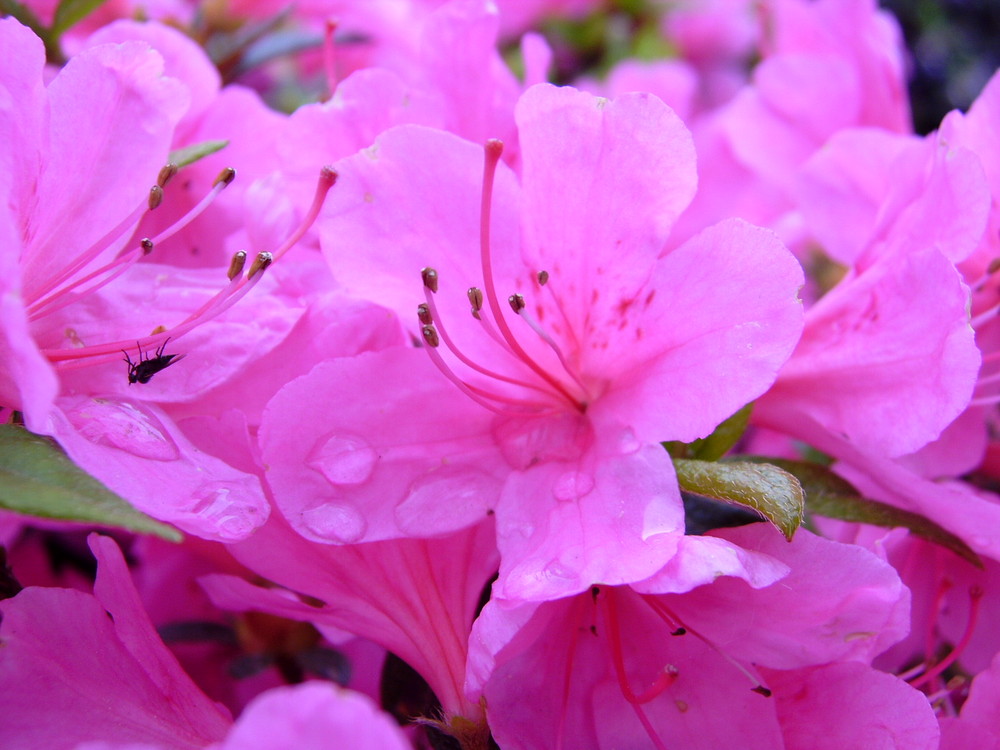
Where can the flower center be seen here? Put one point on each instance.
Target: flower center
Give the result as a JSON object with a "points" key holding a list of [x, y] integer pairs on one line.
{"points": [[521, 383]]}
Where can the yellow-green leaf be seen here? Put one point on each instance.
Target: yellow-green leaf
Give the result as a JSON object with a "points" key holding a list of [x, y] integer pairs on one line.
{"points": [[770, 491]]}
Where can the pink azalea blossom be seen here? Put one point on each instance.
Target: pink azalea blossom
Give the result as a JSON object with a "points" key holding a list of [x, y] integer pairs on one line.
{"points": [[82, 678], [719, 664], [568, 423]]}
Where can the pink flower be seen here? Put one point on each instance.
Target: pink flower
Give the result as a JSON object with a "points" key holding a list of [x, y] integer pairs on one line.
{"points": [[82, 672], [558, 429], [724, 662]]}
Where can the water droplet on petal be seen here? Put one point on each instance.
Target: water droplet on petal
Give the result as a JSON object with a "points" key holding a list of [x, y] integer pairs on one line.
{"points": [[338, 523], [124, 426], [447, 499], [343, 458], [232, 520], [628, 442], [556, 569], [572, 486]]}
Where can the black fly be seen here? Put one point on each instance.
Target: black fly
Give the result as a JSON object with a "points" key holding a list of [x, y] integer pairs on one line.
{"points": [[144, 370]]}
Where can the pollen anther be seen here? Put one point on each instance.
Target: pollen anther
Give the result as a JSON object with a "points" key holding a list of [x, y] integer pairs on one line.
{"points": [[424, 314], [430, 335], [260, 263], [517, 302], [430, 278], [155, 197], [236, 264]]}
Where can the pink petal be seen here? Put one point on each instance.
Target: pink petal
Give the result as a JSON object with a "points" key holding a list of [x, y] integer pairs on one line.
{"points": [[308, 716], [851, 705], [415, 597], [613, 515], [71, 673], [721, 317], [887, 360], [421, 464], [604, 182], [839, 602], [137, 451]]}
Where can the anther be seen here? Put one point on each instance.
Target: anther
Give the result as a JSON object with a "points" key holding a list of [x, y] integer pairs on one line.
{"points": [[475, 295], [260, 263], [994, 266], [155, 197], [424, 314], [236, 264], [761, 690], [516, 302], [147, 245], [226, 176], [328, 176], [430, 278], [543, 278], [430, 335], [167, 171]]}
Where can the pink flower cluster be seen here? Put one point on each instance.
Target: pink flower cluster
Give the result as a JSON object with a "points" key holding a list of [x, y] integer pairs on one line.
{"points": [[401, 366]]}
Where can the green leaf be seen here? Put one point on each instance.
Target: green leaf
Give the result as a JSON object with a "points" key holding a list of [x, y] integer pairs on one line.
{"points": [[714, 447], [831, 496], [772, 492], [38, 479], [190, 154], [71, 12]]}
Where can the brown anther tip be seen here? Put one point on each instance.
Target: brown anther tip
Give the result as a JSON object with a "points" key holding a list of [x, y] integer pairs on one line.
{"points": [[761, 690], [475, 295], [260, 263], [430, 278], [430, 335], [167, 171], [994, 266], [328, 174], [494, 146], [679, 631], [147, 245], [516, 302], [424, 314], [155, 197], [236, 264], [543, 278], [158, 330], [226, 176]]}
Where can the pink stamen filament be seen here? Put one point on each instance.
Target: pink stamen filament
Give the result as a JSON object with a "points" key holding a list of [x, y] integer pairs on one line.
{"points": [[662, 682], [85, 257], [330, 55], [562, 312], [544, 336], [985, 316], [60, 299], [975, 600], [985, 401], [493, 151], [237, 288], [442, 331], [679, 628]]}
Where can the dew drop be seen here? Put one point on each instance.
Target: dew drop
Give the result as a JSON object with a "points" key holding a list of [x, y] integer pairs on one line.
{"points": [[231, 519], [125, 427], [447, 499], [343, 458], [628, 442], [337, 523], [572, 486], [557, 569]]}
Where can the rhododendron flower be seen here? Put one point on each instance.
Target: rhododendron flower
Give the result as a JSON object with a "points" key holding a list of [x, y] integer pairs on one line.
{"points": [[97, 664], [550, 414], [718, 662]]}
